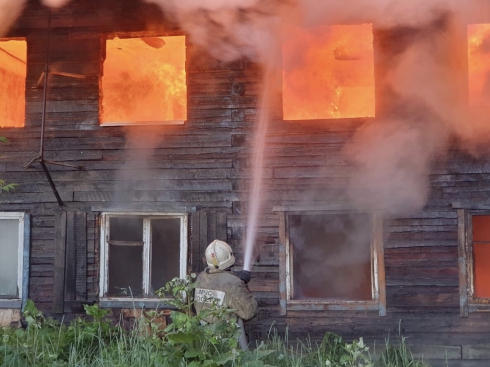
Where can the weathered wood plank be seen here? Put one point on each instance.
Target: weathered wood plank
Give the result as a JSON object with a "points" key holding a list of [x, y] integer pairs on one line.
{"points": [[59, 262]]}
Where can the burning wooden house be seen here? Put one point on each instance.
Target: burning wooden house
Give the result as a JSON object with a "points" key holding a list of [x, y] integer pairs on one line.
{"points": [[353, 158]]}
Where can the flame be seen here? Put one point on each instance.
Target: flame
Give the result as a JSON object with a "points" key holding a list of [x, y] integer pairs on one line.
{"points": [[13, 57], [329, 73], [481, 255], [479, 64], [144, 80]]}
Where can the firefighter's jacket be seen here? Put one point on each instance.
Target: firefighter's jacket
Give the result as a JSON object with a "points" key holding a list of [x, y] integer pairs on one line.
{"points": [[224, 288]]}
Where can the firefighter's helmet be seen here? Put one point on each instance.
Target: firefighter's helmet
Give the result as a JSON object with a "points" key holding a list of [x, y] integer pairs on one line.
{"points": [[219, 255]]}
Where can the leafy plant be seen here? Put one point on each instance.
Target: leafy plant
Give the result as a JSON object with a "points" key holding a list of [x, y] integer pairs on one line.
{"points": [[4, 186], [191, 341]]}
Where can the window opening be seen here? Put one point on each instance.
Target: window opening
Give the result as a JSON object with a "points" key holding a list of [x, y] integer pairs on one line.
{"points": [[481, 255], [13, 61], [14, 249], [331, 257], [144, 81], [479, 64], [144, 253], [328, 72]]}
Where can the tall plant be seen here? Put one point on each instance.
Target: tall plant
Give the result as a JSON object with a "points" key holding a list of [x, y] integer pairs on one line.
{"points": [[4, 186]]}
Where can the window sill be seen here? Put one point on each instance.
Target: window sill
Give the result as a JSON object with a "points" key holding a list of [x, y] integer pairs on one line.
{"points": [[142, 123], [10, 303], [136, 303], [478, 307], [313, 305]]}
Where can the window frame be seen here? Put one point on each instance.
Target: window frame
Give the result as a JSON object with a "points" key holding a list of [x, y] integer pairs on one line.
{"points": [[378, 303], [22, 260], [106, 301], [468, 302], [126, 35]]}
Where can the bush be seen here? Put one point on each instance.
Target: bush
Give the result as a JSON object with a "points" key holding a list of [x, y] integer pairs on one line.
{"points": [[3, 185]]}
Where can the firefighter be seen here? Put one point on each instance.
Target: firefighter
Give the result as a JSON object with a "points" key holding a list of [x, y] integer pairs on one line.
{"points": [[218, 284]]}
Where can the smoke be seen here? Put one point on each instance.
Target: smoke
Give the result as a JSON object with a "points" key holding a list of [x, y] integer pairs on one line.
{"points": [[10, 10], [55, 3]]}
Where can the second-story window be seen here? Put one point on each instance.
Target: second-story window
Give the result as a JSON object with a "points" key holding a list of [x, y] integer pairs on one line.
{"points": [[144, 81]]}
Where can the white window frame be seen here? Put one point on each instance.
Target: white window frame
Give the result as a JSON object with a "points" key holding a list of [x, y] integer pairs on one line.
{"points": [[378, 301], [22, 259], [104, 254]]}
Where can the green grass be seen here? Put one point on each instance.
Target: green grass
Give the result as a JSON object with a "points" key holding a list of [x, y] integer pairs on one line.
{"points": [[188, 341]]}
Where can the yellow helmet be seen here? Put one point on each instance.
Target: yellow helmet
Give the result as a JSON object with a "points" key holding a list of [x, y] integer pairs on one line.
{"points": [[219, 255]]}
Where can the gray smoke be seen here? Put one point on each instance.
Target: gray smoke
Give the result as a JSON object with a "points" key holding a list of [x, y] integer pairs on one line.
{"points": [[10, 10]]}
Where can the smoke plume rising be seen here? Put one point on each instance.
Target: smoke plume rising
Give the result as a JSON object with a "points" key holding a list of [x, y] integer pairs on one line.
{"points": [[10, 10], [55, 3]]}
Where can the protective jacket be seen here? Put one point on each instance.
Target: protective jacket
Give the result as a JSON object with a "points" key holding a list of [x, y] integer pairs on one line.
{"points": [[227, 289]]}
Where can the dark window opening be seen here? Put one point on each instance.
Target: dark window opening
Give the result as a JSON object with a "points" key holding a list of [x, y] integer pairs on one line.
{"points": [[331, 257], [165, 251]]}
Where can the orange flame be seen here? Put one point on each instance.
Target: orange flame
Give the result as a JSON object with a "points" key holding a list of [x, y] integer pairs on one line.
{"points": [[479, 64], [329, 73], [13, 56], [144, 80]]}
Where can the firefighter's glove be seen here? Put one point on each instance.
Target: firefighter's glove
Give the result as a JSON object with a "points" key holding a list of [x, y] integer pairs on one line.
{"points": [[244, 275]]}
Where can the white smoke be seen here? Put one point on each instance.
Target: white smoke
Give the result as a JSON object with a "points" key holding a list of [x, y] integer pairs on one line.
{"points": [[10, 10], [55, 3]]}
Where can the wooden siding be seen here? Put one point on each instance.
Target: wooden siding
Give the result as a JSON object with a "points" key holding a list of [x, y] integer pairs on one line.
{"points": [[205, 164]]}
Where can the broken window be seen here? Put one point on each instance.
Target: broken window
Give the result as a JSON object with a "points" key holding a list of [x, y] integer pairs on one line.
{"points": [[479, 64], [142, 253], [328, 73], [13, 259], [144, 81], [332, 260], [13, 56]]}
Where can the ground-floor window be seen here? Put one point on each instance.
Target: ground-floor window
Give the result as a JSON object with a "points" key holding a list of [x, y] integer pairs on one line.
{"points": [[332, 261], [141, 253], [14, 244], [474, 254]]}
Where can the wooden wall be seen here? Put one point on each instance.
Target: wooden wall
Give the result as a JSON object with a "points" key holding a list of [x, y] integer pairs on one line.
{"points": [[205, 164]]}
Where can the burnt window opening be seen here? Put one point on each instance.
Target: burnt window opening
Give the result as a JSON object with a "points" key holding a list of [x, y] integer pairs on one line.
{"points": [[14, 250], [142, 253], [331, 257], [474, 257], [479, 64], [13, 68], [144, 81], [328, 73], [332, 261], [481, 255]]}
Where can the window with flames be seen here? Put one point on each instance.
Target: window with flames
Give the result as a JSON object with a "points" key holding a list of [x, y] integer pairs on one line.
{"points": [[141, 253], [328, 73], [479, 64], [13, 57], [144, 81]]}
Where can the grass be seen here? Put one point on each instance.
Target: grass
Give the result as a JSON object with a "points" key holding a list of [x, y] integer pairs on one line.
{"points": [[89, 344], [188, 341]]}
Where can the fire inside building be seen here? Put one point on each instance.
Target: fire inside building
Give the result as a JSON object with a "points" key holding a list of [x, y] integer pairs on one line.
{"points": [[347, 166]]}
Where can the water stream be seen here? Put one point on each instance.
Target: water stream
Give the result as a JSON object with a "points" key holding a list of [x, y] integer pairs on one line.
{"points": [[258, 149]]}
